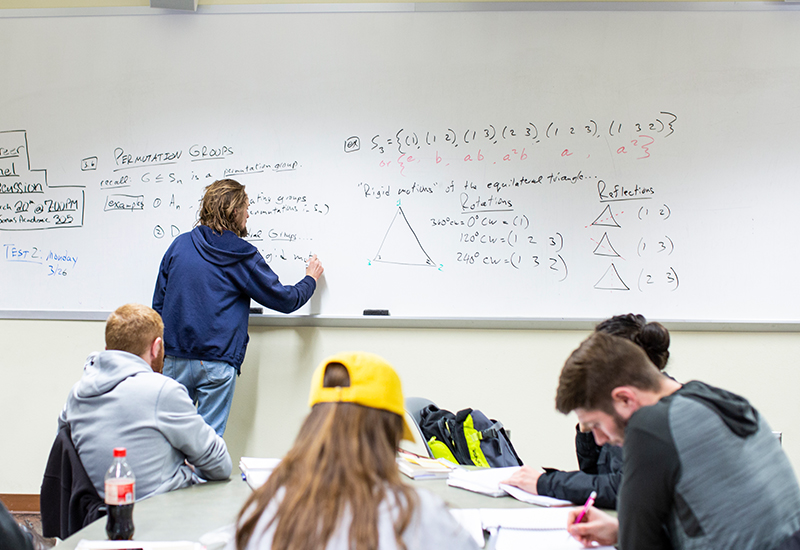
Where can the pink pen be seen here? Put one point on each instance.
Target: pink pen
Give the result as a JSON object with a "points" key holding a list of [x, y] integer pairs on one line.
{"points": [[589, 502]]}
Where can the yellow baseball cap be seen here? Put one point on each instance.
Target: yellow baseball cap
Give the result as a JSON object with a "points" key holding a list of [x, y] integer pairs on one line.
{"points": [[373, 383]]}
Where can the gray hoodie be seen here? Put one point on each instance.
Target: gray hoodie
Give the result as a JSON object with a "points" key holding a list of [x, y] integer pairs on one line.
{"points": [[120, 402]]}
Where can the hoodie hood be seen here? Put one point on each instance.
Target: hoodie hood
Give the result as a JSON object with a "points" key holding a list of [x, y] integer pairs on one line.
{"points": [[105, 369], [221, 250], [735, 411]]}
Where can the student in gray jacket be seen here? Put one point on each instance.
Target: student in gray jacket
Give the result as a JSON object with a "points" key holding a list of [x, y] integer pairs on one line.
{"points": [[122, 400], [702, 468], [600, 465]]}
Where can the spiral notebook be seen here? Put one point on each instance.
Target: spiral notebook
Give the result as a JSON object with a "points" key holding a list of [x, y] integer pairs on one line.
{"points": [[528, 519], [516, 528]]}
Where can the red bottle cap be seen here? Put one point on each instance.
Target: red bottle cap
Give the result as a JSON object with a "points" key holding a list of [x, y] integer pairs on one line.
{"points": [[119, 452]]}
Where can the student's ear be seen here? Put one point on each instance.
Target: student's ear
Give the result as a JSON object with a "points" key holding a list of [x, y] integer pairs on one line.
{"points": [[156, 358], [625, 400], [155, 347]]}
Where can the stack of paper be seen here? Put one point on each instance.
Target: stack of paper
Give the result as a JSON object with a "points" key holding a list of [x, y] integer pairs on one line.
{"points": [[420, 467], [530, 498], [255, 471], [488, 481], [485, 481]]}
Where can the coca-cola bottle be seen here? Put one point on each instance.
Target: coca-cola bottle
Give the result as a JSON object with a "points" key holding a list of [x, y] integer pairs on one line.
{"points": [[120, 496]]}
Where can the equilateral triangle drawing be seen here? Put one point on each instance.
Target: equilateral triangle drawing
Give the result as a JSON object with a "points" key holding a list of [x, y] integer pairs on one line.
{"points": [[606, 218], [604, 248], [611, 280], [401, 246]]}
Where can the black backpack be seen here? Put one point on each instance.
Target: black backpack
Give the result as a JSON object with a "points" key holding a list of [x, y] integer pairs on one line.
{"points": [[467, 437]]}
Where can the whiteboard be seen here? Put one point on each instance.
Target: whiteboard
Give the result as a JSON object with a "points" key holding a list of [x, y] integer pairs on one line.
{"points": [[551, 165]]}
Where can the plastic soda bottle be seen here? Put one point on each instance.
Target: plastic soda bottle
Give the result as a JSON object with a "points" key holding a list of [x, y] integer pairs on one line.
{"points": [[120, 495]]}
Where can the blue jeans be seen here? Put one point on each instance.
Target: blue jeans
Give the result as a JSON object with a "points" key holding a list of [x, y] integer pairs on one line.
{"points": [[210, 385]]}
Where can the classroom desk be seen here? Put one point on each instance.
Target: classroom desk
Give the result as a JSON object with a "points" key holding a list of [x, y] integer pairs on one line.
{"points": [[185, 514], [188, 513]]}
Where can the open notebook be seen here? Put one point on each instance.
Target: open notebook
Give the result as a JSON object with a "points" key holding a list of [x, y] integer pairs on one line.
{"points": [[519, 528], [487, 481]]}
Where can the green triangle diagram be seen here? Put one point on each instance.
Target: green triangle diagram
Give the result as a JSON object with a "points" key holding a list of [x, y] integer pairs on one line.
{"points": [[401, 245]]}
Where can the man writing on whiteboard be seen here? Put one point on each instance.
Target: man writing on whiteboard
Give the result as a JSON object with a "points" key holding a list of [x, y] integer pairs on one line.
{"points": [[205, 283], [702, 468]]}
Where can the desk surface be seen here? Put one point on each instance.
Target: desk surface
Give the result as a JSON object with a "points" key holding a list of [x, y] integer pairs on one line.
{"points": [[189, 513], [185, 514]]}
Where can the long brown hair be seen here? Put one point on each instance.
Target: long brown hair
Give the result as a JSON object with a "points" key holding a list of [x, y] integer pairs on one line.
{"points": [[222, 202], [343, 461]]}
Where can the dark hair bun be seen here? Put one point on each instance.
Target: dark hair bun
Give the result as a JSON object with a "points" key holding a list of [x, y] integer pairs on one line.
{"points": [[652, 337]]}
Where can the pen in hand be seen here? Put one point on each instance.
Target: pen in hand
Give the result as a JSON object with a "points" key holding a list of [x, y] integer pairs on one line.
{"points": [[586, 506], [589, 502]]}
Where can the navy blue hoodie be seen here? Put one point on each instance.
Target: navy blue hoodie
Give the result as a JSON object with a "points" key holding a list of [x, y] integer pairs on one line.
{"points": [[203, 292]]}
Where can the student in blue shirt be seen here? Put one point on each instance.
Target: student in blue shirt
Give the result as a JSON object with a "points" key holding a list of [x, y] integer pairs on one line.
{"points": [[203, 291]]}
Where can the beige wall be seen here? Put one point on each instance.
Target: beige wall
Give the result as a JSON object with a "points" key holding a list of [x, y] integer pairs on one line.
{"points": [[509, 374]]}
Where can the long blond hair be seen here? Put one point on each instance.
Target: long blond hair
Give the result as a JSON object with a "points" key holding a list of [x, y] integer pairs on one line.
{"points": [[343, 461]]}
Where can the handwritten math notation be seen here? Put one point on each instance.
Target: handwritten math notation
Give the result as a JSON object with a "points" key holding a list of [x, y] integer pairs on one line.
{"points": [[405, 140]]}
